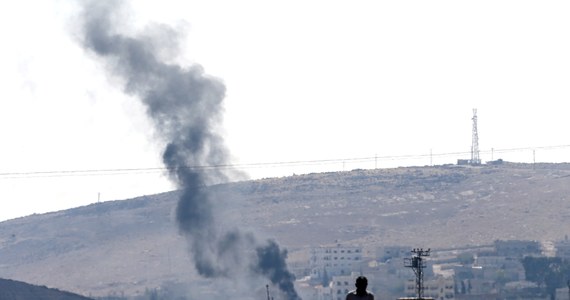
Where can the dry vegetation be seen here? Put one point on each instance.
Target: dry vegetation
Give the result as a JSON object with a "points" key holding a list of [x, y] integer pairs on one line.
{"points": [[15, 290], [129, 245]]}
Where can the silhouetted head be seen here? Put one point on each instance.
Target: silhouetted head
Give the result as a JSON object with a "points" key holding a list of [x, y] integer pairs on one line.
{"points": [[361, 283]]}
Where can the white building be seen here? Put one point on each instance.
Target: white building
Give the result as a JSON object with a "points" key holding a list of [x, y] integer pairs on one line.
{"points": [[563, 248], [338, 260], [390, 252], [517, 248], [562, 293], [440, 288], [341, 285], [500, 268]]}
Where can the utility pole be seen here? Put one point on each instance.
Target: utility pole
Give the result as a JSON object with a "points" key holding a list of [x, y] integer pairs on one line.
{"points": [[417, 264], [375, 161]]}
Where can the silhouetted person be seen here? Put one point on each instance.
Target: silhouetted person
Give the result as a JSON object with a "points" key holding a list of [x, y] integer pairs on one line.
{"points": [[360, 293]]}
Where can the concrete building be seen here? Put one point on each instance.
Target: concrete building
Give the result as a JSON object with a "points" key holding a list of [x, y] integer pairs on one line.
{"points": [[341, 285], [439, 288], [338, 260], [322, 293], [563, 248], [563, 293], [517, 248], [500, 268], [390, 252]]}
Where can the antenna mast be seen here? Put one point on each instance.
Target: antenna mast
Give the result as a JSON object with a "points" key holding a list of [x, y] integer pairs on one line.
{"points": [[568, 283], [267, 287], [417, 264], [475, 160]]}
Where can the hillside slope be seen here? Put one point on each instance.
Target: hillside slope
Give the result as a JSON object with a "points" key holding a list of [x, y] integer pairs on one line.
{"points": [[15, 290], [131, 245]]}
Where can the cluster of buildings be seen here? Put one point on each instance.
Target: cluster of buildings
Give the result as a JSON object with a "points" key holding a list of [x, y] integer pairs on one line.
{"points": [[485, 272]]}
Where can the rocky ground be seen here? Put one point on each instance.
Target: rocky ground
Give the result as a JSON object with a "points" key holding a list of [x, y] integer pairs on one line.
{"points": [[15, 290], [130, 245]]}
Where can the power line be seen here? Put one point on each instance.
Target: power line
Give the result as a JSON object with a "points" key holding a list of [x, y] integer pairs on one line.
{"points": [[279, 164], [67, 173]]}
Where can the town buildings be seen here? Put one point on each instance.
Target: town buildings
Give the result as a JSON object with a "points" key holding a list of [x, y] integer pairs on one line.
{"points": [[494, 271], [338, 260]]}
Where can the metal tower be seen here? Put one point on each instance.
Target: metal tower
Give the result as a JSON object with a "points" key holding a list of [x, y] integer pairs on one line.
{"points": [[417, 264], [475, 160], [267, 287]]}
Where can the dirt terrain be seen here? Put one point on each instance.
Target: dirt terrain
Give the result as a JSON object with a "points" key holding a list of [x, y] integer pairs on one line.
{"points": [[129, 246], [15, 290]]}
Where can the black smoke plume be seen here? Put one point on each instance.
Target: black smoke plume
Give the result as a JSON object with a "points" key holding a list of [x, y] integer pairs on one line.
{"points": [[185, 106], [271, 263]]}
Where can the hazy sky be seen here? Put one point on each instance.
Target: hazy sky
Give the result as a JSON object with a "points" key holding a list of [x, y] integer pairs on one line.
{"points": [[306, 81]]}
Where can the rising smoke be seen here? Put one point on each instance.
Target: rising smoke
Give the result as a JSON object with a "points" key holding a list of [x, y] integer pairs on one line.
{"points": [[185, 106]]}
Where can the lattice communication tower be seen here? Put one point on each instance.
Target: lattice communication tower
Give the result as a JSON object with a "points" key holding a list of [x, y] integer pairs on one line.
{"points": [[475, 160]]}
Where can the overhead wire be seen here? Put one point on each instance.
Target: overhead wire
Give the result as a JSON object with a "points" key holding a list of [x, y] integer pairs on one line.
{"points": [[295, 163]]}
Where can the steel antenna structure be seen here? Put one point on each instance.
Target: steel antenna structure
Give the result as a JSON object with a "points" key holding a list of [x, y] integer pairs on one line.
{"points": [[568, 283], [475, 160], [417, 264], [267, 287]]}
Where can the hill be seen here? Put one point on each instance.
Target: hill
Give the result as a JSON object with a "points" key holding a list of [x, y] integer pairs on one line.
{"points": [[15, 290], [132, 245]]}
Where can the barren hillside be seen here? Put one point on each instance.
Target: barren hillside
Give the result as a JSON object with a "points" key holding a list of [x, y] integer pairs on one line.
{"points": [[130, 245], [15, 290]]}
